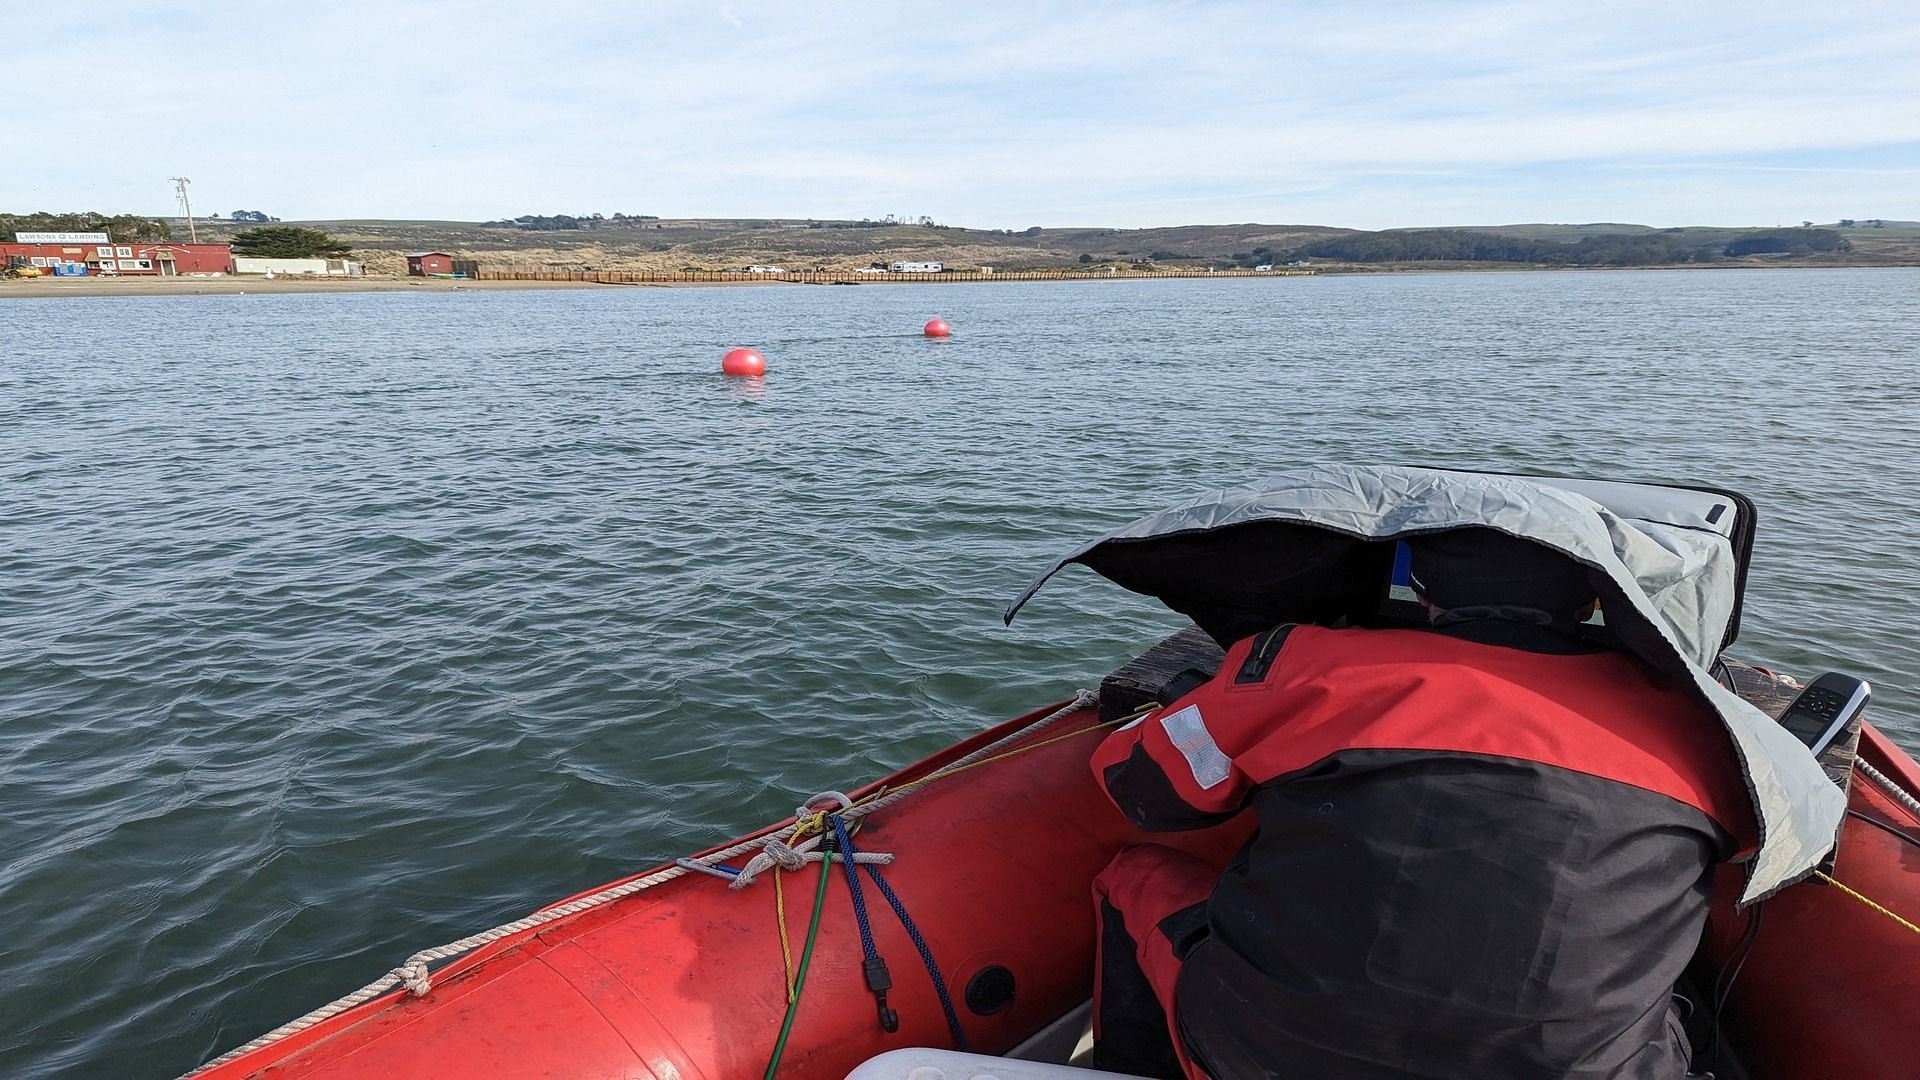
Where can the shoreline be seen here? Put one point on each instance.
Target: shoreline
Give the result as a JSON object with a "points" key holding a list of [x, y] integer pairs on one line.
{"points": [[43, 288]]}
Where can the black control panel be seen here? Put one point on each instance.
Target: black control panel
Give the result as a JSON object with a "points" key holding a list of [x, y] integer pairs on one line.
{"points": [[1825, 708]]}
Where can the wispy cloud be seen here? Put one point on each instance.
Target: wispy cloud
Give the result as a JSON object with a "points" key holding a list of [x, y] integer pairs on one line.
{"points": [[988, 113]]}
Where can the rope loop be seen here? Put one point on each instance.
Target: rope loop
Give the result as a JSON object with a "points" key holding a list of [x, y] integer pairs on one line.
{"points": [[822, 804], [810, 817]]}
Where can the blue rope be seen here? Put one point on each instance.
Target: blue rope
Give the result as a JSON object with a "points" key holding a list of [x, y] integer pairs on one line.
{"points": [[872, 967], [867, 950], [900, 909]]}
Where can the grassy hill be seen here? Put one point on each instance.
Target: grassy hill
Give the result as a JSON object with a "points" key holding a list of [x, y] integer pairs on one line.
{"points": [[717, 244], [1896, 242], [727, 243]]}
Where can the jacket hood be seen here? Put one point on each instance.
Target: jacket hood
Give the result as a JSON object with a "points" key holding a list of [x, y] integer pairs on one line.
{"points": [[1319, 544]]}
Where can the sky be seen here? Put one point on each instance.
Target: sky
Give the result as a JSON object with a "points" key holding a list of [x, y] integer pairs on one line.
{"points": [[983, 114]]}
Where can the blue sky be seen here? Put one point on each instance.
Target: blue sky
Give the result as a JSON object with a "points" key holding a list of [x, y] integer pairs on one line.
{"points": [[986, 114]]}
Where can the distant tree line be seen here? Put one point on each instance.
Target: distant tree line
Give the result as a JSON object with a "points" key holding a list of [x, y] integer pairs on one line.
{"points": [[546, 222], [1259, 256], [889, 221], [1788, 242], [251, 215], [1634, 249], [565, 222], [122, 228]]}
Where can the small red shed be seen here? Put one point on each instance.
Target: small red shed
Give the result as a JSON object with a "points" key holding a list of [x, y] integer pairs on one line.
{"points": [[424, 263]]}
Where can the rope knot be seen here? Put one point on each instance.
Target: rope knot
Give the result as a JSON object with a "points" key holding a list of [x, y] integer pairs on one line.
{"points": [[414, 974], [785, 857]]}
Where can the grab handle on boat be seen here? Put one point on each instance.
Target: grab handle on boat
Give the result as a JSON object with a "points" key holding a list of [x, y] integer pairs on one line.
{"points": [[724, 873]]}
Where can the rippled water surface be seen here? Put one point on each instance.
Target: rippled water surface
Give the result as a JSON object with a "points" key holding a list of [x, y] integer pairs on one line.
{"points": [[339, 626]]}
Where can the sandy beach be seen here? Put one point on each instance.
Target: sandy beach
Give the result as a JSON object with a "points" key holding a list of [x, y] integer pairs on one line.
{"points": [[188, 286]]}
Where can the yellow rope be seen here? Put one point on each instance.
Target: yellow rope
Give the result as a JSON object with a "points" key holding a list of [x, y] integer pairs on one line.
{"points": [[942, 774], [786, 947], [1875, 906]]}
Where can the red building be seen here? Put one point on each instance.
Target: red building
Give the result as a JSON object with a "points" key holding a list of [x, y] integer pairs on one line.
{"points": [[145, 259], [424, 263]]}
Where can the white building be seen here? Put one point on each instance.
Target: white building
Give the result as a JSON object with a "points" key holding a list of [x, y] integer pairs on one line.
{"points": [[244, 264], [917, 267], [758, 269]]}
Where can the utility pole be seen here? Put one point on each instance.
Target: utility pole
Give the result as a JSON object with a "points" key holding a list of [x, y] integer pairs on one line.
{"points": [[186, 208]]}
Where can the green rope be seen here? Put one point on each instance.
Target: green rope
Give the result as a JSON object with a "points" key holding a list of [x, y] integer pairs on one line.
{"points": [[806, 957]]}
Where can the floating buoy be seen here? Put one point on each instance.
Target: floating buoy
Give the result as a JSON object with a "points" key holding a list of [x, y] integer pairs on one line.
{"points": [[937, 328], [743, 362]]}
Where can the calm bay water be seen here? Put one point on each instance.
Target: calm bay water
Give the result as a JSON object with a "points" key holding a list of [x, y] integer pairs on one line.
{"points": [[335, 627]]}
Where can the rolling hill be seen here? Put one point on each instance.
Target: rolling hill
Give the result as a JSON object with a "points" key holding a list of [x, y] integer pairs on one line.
{"points": [[717, 243]]}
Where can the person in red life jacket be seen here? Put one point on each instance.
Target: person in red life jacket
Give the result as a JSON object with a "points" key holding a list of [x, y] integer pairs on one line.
{"points": [[1483, 847]]}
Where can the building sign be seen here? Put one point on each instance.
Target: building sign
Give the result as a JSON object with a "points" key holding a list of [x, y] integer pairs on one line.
{"points": [[59, 238]]}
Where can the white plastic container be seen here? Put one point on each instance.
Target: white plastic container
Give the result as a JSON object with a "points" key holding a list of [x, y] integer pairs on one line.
{"points": [[918, 1063]]}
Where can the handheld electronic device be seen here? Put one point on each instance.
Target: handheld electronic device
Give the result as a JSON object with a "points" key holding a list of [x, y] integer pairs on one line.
{"points": [[1825, 708]]}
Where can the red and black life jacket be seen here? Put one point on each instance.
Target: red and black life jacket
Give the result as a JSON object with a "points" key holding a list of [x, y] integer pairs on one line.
{"points": [[1472, 860]]}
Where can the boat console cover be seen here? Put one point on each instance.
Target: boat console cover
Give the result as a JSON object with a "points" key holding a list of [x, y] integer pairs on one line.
{"points": [[1318, 545]]}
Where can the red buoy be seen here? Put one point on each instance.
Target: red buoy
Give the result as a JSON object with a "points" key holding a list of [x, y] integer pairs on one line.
{"points": [[743, 362], [937, 328]]}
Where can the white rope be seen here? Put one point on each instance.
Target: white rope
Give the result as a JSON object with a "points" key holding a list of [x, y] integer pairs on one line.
{"points": [[778, 853], [414, 974], [795, 858], [1900, 794]]}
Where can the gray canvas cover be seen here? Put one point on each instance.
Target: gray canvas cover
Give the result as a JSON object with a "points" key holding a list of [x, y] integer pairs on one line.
{"points": [[1663, 551]]}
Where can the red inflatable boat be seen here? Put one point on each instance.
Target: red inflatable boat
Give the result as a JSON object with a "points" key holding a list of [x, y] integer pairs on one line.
{"points": [[993, 858]]}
